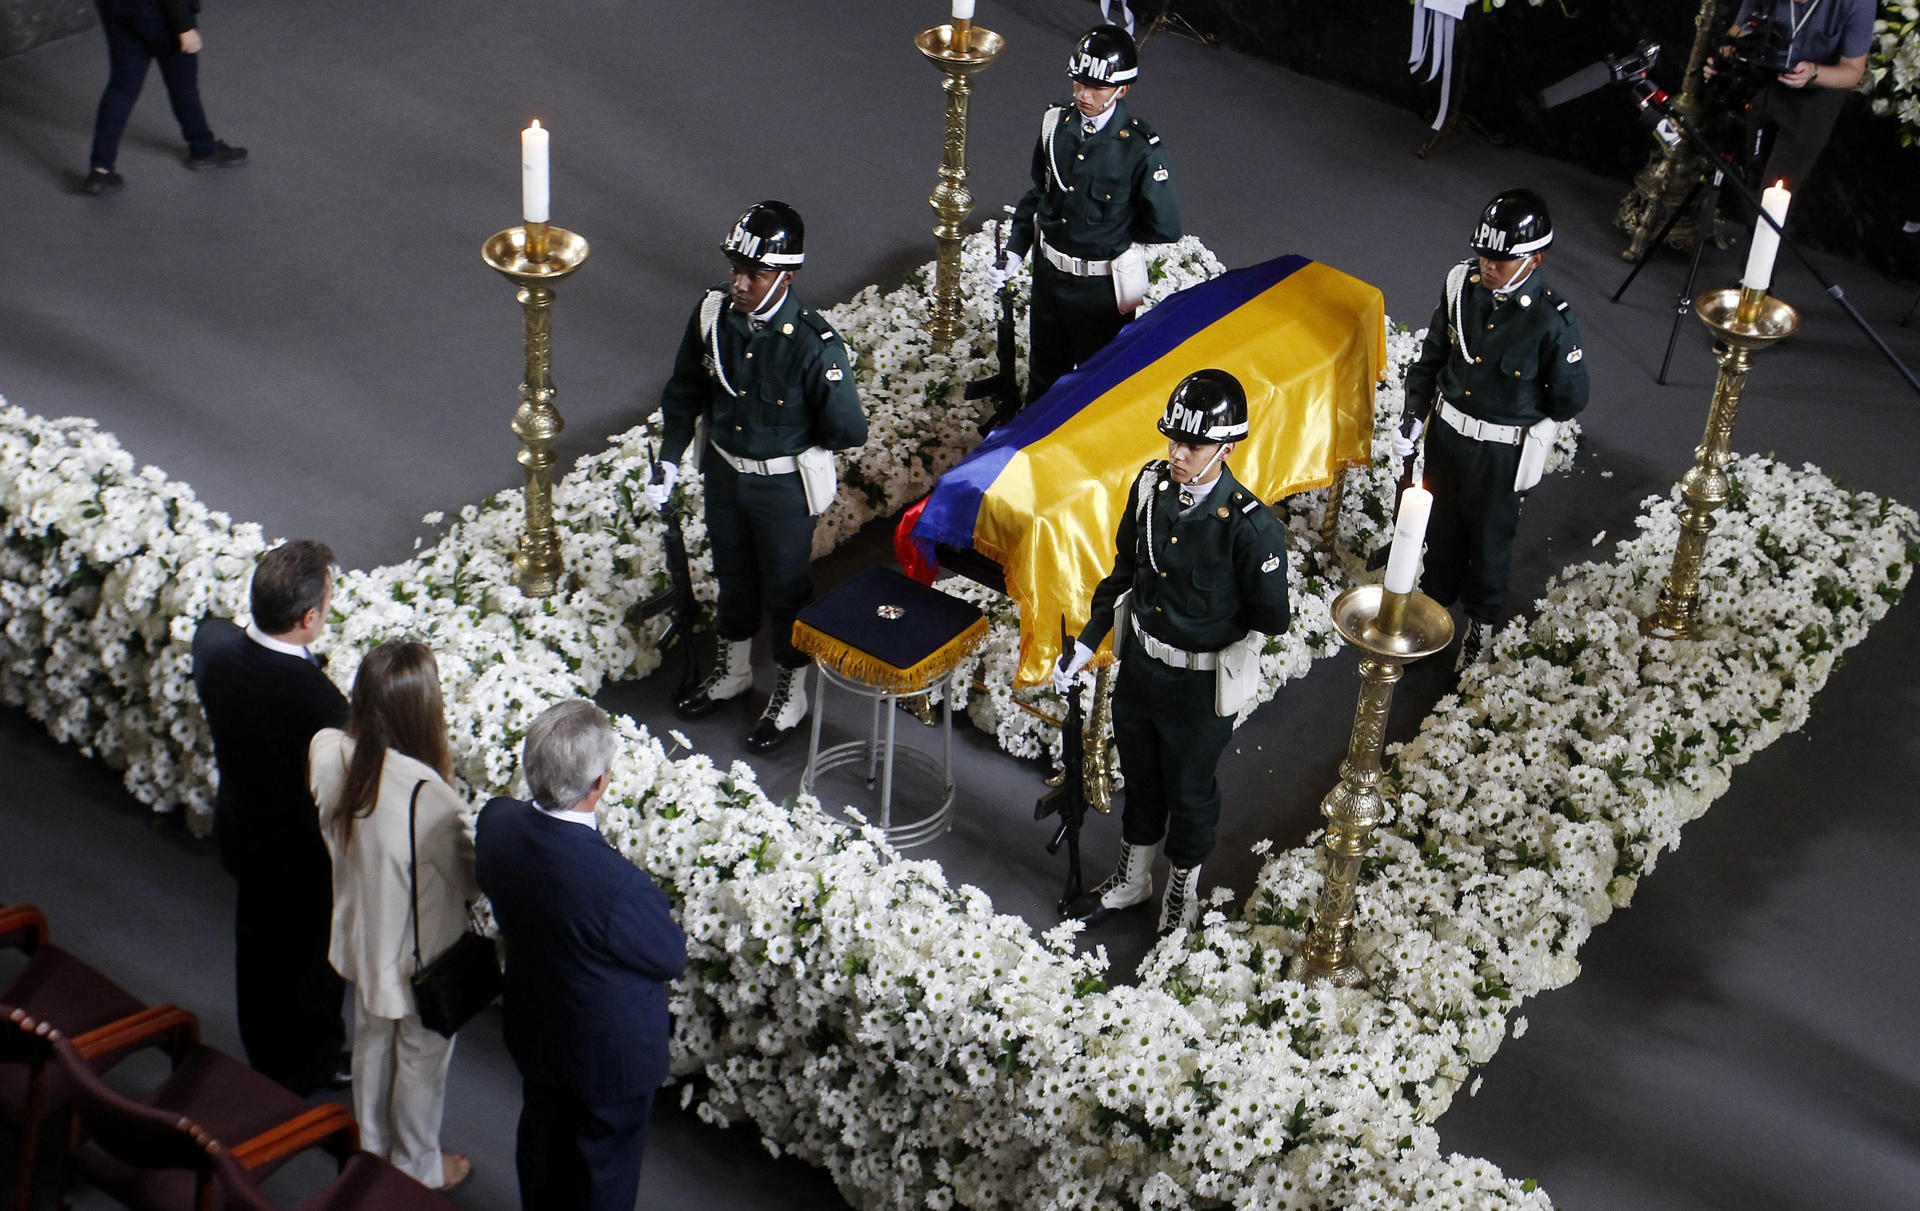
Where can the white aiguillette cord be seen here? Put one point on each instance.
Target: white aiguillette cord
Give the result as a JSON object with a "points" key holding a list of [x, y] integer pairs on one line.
{"points": [[1433, 22]]}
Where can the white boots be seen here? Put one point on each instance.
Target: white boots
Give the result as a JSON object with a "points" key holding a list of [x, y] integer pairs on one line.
{"points": [[732, 676], [1130, 884], [785, 711], [1181, 907]]}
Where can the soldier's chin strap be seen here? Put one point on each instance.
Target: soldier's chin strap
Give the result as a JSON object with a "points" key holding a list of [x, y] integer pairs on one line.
{"points": [[776, 294], [1202, 472], [1521, 279]]}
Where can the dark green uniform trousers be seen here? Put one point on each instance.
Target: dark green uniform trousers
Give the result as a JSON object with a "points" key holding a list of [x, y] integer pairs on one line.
{"points": [[1475, 512], [1170, 741], [762, 541], [1072, 319]]}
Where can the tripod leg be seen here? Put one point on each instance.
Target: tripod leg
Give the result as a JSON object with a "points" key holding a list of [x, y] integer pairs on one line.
{"points": [[1658, 240], [1702, 228]]}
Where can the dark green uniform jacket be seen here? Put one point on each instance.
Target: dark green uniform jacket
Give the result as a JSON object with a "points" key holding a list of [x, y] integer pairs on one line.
{"points": [[1211, 576], [794, 379], [1526, 363], [1099, 196]]}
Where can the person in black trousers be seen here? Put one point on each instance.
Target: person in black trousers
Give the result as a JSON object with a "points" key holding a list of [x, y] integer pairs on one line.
{"points": [[590, 946], [265, 695], [140, 33]]}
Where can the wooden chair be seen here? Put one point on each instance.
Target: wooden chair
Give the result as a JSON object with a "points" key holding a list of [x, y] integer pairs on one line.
{"points": [[157, 1152], [64, 993], [365, 1183]]}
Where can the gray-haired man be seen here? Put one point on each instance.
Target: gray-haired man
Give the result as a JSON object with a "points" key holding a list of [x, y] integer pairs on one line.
{"points": [[590, 945]]}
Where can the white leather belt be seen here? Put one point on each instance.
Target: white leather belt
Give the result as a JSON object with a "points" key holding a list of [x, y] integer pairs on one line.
{"points": [[1173, 657], [1073, 264], [757, 466], [1479, 430]]}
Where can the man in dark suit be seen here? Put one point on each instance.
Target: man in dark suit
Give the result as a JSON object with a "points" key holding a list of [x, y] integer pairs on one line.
{"points": [[590, 945], [265, 696]]}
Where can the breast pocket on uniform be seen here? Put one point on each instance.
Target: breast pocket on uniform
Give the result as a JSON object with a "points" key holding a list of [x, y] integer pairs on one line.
{"points": [[774, 408], [1212, 587], [1520, 364]]}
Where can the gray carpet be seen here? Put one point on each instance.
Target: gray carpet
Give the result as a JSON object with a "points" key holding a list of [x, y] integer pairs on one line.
{"points": [[313, 343]]}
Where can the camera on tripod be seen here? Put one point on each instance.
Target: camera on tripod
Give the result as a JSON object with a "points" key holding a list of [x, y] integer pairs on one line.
{"points": [[1748, 62]]}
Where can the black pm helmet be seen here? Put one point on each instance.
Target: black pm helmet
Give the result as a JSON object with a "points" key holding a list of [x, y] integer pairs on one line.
{"points": [[1208, 408], [1105, 57], [769, 236], [1514, 224]]}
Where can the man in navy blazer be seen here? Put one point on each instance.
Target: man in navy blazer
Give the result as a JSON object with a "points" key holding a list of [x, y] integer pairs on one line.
{"points": [[590, 946], [265, 695]]}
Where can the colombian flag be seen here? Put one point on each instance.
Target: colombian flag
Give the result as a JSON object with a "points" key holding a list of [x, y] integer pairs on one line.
{"points": [[1042, 495]]}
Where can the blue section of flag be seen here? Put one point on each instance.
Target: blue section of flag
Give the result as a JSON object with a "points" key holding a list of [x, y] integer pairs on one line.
{"points": [[954, 505]]}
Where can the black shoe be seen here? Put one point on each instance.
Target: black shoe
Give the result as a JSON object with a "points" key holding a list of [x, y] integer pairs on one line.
{"points": [[1473, 644], [221, 156], [100, 181], [785, 712]]}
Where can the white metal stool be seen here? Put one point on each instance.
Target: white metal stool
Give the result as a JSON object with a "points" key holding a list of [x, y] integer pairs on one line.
{"points": [[883, 637], [881, 756]]}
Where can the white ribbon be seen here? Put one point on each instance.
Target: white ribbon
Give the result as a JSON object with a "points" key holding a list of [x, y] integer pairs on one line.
{"points": [[1433, 22], [1126, 15]]}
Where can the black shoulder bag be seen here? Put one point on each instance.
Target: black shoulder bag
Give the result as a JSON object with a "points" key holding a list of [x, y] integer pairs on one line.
{"points": [[465, 978]]}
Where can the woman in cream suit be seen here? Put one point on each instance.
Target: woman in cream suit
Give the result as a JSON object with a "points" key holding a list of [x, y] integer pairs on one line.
{"points": [[363, 779]]}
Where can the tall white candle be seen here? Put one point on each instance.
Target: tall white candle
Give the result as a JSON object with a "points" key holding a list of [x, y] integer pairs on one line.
{"points": [[1409, 534], [963, 10], [1766, 241], [533, 173]]}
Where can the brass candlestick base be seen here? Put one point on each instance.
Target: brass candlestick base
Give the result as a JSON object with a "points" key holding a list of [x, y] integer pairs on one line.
{"points": [[534, 257], [1393, 629], [1666, 181], [1744, 322], [958, 53]]}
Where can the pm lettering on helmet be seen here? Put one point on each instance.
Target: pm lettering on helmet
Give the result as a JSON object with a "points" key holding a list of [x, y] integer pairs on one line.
{"points": [[1490, 237], [1185, 419]]}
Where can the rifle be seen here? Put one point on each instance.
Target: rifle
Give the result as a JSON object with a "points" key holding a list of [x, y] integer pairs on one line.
{"points": [[677, 597], [1003, 386], [1069, 799]]}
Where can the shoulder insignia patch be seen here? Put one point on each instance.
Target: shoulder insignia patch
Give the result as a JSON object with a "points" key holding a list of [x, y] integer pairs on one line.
{"points": [[1560, 304], [786, 330], [1251, 505], [826, 334], [1160, 173], [1575, 356], [1273, 563], [835, 374], [1153, 140]]}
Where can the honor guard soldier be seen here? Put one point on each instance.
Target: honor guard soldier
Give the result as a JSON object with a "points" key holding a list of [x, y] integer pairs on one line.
{"points": [[1101, 184], [1199, 563], [1500, 367], [773, 383]]}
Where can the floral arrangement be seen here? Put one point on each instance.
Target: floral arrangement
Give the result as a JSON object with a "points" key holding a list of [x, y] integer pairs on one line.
{"points": [[1892, 81], [874, 1020]]}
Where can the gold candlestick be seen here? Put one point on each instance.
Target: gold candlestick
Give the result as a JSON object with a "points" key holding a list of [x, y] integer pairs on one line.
{"points": [[534, 257], [1665, 182], [958, 52], [1392, 629], [1744, 321]]}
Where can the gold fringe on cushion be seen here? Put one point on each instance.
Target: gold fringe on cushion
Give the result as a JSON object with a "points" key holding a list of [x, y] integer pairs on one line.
{"points": [[851, 662]]}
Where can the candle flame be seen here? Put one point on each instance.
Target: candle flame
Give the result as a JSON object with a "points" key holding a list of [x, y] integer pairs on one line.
{"points": [[536, 125]]}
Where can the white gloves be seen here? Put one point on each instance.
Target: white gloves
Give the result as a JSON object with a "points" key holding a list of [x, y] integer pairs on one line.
{"points": [[1404, 443], [1070, 666], [1002, 268], [661, 490]]}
